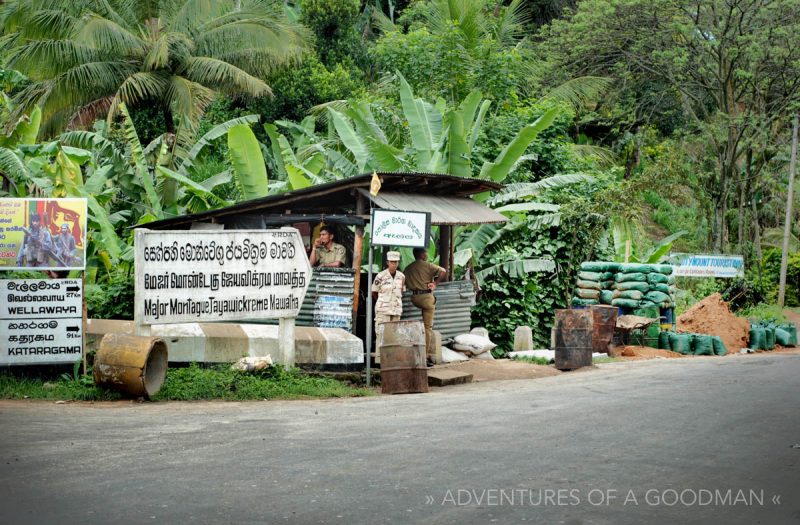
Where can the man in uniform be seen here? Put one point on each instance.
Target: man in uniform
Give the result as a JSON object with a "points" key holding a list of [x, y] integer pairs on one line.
{"points": [[327, 253], [388, 288], [422, 278], [37, 245]]}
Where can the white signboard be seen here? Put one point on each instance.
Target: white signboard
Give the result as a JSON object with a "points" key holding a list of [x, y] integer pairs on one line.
{"points": [[41, 321], [400, 228], [199, 275], [722, 266]]}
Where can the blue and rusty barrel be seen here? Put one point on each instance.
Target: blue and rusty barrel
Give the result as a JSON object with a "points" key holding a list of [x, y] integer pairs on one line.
{"points": [[133, 365], [403, 367], [573, 331], [604, 321]]}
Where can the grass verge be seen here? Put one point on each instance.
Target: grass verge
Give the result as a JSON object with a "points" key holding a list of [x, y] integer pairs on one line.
{"points": [[220, 382], [532, 360], [183, 384]]}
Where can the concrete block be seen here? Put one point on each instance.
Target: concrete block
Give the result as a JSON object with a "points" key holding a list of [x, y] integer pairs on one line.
{"points": [[446, 377], [523, 338], [437, 345], [229, 342]]}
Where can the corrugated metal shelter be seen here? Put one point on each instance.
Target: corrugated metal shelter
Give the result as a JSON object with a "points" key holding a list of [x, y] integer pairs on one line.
{"points": [[345, 204]]}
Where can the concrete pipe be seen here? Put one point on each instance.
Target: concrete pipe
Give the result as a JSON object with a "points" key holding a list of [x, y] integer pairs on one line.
{"points": [[131, 364]]}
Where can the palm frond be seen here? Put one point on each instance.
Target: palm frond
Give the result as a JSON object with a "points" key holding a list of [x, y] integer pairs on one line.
{"points": [[580, 91], [517, 268], [101, 33], [523, 190], [219, 74], [604, 156]]}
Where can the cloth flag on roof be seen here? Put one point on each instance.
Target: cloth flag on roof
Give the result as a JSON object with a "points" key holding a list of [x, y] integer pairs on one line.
{"points": [[375, 184]]}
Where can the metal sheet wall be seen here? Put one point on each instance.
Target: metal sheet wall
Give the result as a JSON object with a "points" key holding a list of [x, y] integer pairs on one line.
{"points": [[338, 282], [454, 302]]}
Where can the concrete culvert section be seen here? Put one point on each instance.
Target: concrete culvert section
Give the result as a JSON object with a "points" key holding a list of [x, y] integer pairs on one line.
{"points": [[133, 365]]}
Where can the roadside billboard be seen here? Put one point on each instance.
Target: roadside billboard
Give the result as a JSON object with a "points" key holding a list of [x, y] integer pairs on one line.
{"points": [[202, 275], [43, 234], [41, 321], [698, 265]]}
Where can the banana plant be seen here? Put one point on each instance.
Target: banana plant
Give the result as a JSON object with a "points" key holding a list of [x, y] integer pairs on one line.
{"points": [[527, 213], [440, 139]]}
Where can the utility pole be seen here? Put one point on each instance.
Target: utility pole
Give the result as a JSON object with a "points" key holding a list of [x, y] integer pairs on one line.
{"points": [[787, 228]]}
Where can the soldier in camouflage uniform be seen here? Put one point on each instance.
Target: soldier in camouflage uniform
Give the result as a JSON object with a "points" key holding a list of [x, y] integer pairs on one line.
{"points": [[388, 288]]}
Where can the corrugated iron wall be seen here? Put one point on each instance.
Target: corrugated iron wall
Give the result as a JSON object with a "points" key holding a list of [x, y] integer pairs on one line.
{"points": [[454, 301]]}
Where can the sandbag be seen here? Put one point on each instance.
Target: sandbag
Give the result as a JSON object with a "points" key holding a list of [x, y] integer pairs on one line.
{"points": [[782, 337], [655, 278], [590, 276], [625, 303], [769, 332], [663, 340], [665, 269], [634, 295], [633, 285], [588, 285], [577, 301], [588, 294], [473, 344], [719, 346], [646, 303], [635, 268], [598, 266], [606, 296], [671, 280], [657, 297], [627, 277], [681, 343], [792, 331], [659, 287], [758, 338], [702, 344], [608, 285]]}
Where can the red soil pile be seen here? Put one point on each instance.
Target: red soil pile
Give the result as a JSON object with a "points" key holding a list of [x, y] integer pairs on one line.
{"points": [[713, 317], [647, 352]]}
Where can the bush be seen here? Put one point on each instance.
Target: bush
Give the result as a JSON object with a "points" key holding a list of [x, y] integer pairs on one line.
{"points": [[507, 303], [111, 300]]}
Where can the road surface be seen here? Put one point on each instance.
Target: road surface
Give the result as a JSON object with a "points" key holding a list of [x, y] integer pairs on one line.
{"points": [[702, 440]]}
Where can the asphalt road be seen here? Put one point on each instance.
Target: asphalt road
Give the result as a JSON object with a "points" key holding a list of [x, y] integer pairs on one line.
{"points": [[705, 440]]}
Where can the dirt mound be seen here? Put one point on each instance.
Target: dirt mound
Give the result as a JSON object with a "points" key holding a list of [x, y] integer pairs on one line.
{"points": [[647, 352], [713, 317]]}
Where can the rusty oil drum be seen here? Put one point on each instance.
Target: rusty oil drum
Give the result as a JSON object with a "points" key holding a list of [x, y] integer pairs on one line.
{"points": [[604, 321], [573, 332], [403, 368], [133, 365]]}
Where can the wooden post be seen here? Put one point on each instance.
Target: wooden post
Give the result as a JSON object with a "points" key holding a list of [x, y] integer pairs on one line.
{"points": [[444, 248], [358, 248], [788, 225]]}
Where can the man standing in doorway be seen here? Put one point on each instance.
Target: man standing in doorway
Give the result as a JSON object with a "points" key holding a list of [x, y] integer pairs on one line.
{"points": [[422, 278], [388, 288], [325, 252]]}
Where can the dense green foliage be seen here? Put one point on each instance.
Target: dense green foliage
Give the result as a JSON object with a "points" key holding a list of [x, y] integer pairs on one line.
{"points": [[647, 126], [507, 303]]}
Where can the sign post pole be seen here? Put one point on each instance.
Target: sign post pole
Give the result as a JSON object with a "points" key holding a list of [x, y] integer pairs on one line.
{"points": [[369, 316]]}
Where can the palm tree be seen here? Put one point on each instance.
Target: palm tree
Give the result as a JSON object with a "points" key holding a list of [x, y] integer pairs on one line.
{"points": [[85, 57]]}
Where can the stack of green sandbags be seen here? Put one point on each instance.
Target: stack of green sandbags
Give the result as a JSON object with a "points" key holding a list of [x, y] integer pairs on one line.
{"points": [[766, 333], [662, 286], [643, 286], [691, 344], [595, 282]]}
